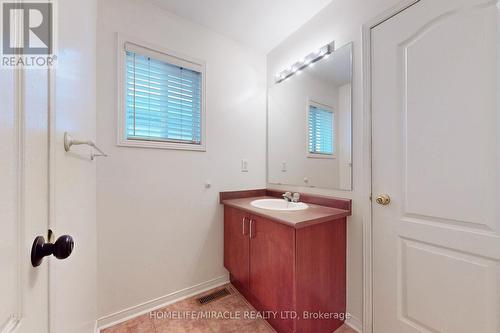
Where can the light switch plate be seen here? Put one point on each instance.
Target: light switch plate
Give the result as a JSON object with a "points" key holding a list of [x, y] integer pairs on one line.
{"points": [[244, 166]]}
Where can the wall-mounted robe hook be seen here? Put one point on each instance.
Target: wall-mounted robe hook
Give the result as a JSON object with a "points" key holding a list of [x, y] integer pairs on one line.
{"points": [[69, 141]]}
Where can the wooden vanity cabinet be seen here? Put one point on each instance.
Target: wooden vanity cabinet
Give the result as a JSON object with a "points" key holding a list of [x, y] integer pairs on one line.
{"points": [[287, 270]]}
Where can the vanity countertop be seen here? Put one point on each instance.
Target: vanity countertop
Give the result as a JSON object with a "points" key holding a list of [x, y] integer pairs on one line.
{"points": [[315, 214]]}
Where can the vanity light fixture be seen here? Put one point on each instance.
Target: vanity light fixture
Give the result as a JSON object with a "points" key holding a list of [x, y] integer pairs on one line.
{"points": [[309, 60]]}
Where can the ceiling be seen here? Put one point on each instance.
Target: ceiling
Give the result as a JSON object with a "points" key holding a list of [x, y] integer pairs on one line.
{"points": [[260, 24]]}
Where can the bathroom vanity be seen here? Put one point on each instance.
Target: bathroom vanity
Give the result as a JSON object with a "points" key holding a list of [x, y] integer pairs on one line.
{"points": [[288, 264]]}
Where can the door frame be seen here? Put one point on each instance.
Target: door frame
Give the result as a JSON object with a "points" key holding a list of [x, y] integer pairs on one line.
{"points": [[367, 156]]}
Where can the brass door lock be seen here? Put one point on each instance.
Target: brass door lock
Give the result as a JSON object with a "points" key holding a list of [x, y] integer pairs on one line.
{"points": [[383, 199]]}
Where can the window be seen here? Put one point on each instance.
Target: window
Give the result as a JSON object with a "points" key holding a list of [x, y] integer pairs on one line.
{"points": [[321, 131], [163, 104]]}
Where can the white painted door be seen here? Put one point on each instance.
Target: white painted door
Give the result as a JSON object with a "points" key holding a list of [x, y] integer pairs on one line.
{"points": [[23, 199], [436, 153], [73, 282]]}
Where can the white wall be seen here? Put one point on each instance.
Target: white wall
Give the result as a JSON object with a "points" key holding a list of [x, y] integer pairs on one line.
{"points": [[345, 137], [341, 21], [159, 228]]}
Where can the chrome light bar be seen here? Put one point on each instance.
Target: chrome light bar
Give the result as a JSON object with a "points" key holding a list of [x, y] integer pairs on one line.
{"points": [[309, 60]]}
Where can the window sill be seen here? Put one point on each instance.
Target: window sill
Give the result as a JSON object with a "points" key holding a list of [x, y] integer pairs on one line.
{"points": [[161, 145], [322, 156]]}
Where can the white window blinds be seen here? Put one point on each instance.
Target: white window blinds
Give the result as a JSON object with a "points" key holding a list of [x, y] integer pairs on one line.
{"points": [[163, 97], [321, 130]]}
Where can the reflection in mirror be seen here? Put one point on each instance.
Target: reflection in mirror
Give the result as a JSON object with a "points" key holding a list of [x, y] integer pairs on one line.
{"points": [[310, 125]]}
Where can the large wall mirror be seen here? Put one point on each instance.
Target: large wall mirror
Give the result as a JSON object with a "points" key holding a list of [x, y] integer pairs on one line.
{"points": [[310, 124]]}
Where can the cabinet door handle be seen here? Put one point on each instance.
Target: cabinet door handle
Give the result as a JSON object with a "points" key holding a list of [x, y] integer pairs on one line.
{"points": [[243, 225], [252, 229]]}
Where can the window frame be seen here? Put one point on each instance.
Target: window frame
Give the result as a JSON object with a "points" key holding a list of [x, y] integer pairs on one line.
{"points": [[310, 102], [173, 58]]}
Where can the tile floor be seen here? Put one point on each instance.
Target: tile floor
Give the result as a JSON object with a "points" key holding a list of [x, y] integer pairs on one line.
{"points": [[235, 303]]}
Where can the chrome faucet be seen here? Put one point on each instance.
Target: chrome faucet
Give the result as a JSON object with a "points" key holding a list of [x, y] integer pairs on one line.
{"points": [[288, 196]]}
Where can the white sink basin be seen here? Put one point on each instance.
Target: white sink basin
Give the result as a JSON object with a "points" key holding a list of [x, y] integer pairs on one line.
{"points": [[279, 204]]}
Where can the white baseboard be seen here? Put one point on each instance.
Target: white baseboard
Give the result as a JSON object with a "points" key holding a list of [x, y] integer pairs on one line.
{"points": [[355, 324], [160, 302]]}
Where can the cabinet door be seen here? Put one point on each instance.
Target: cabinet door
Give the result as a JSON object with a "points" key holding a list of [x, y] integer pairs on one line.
{"points": [[272, 266], [321, 274], [236, 246]]}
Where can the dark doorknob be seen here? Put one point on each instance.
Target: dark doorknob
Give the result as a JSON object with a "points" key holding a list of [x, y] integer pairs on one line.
{"points": [[61, 249]]}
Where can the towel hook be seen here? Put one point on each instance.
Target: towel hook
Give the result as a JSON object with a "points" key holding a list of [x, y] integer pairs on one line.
{"points": [[69, 141]]}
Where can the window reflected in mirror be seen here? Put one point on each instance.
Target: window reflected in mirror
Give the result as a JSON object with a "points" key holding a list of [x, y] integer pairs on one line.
{"points": [[321, 133]]}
